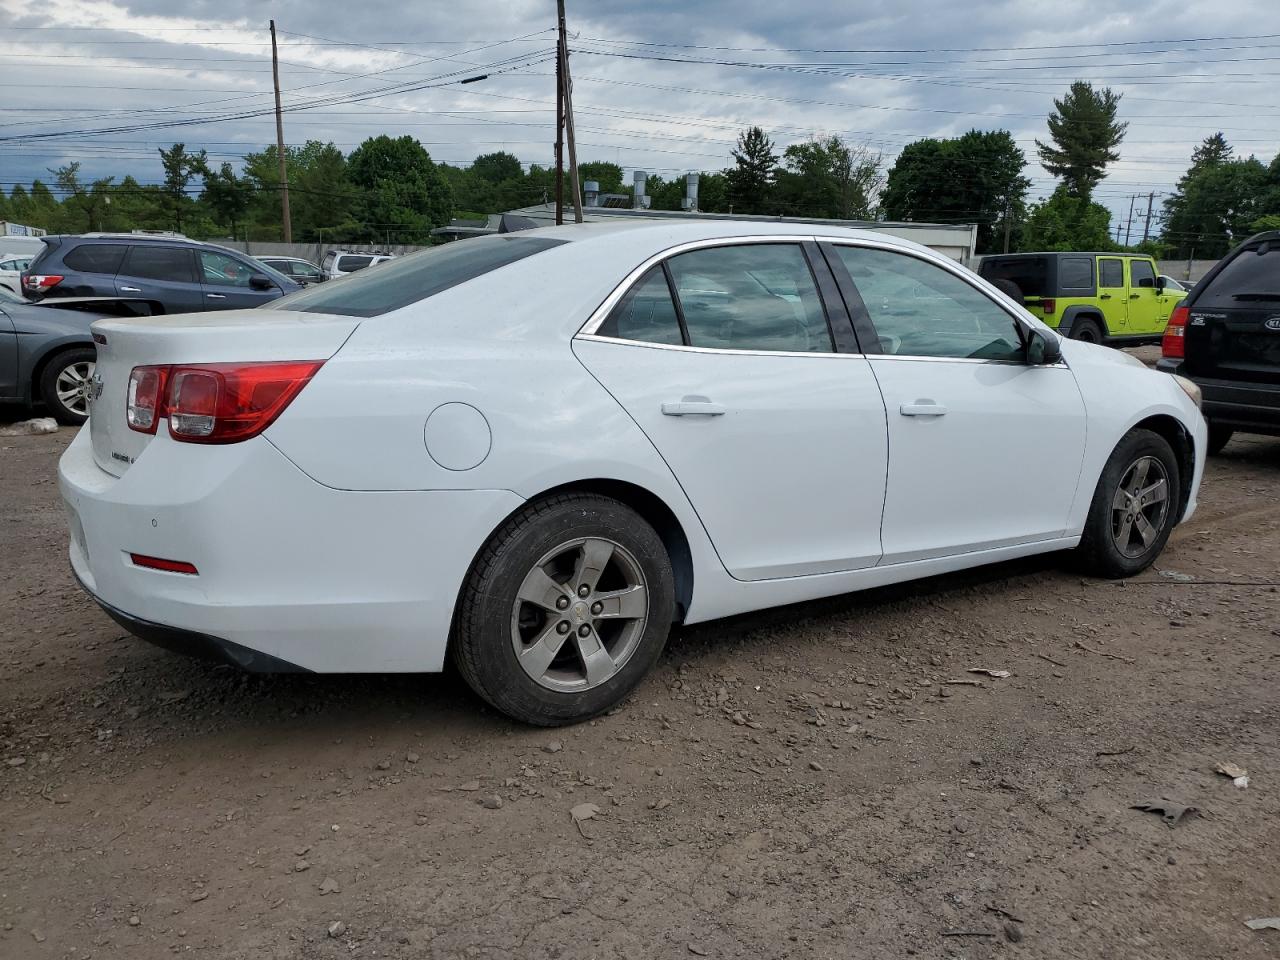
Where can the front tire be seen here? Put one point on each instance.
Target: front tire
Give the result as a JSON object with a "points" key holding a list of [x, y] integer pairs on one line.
{"points": [[565, 611], [64, 385], [1219, 437], [1135, 506]]}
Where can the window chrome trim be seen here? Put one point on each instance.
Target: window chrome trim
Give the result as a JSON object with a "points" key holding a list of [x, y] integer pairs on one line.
{"points": [[1007, 363], [596, 338]]}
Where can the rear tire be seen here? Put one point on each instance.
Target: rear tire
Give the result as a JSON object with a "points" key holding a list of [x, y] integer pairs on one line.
{"points": [[1135, 505], [1087, 331], [565, 611], [1219, 437], [64, 385]]}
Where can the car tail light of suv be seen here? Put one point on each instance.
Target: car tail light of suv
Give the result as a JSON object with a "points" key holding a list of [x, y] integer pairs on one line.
{"points": [[40, 282], [215, 402], [1173, 346]]}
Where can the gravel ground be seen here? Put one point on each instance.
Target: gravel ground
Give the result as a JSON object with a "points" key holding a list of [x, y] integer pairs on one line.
{"points": [[806, 783]]}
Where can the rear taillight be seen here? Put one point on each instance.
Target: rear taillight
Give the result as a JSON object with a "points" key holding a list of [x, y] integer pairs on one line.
{"points": [[1048, 305], [145, 407], [40, 282], [1173, 345], [168, 566], [215, 402]]}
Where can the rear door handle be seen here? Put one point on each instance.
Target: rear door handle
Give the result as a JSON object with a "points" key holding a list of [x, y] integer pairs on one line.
{"points": [[1104, 296], [692, 406], [216, 296], [130, 290], [923, 408]]}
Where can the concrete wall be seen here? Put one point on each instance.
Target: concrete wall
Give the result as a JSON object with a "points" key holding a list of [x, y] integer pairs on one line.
{"points": [[310, 251], [1178, 269]]}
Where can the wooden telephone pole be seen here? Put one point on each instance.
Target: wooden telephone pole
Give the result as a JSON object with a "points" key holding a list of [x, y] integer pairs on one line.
{"points": [[1146, 229], [564, 123], [284, 170]]}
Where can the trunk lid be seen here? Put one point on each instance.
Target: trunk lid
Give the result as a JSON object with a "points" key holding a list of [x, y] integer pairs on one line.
{"points": [[1233, 327], [227, 336]]}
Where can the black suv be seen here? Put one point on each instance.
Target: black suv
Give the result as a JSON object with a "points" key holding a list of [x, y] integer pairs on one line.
{"points": [[175, 274], [1226, 337]]}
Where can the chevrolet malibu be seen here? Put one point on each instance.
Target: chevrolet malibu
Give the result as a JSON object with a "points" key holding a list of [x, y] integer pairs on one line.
{"points": [[535, 452]]}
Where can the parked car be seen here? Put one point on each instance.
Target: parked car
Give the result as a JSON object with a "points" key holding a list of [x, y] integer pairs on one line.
{"points": [[1226, 338], [338, 263], [47, 352], [176, 274], [11, 267], [295, 268], [1113, 298], [534, 451]]}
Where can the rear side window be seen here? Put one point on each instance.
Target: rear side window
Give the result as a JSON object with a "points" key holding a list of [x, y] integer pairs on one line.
{"points": [[647, 313], [1075, 273], [1029, 273], [159, 263], [327, 262], [96, 257], [407, 280], [1252, 276], [352, 264]]}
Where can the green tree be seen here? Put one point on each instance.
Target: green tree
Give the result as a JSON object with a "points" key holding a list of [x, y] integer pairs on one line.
{"points": [[975, 178], [497, 167], [227, 197], [608, 175], [19, 205], [751, 179], [1218, 200], [85, 205], [42, 207], [403, 192], [136, 207], [1067, 222], [827, 178], [180, 168], [1085, 136]]}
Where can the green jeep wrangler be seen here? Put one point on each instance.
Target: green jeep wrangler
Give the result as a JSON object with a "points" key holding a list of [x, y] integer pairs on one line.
{"points": [[1099, 297]]}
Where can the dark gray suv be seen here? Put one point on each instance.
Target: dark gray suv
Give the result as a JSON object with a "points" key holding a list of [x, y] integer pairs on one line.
{"points": [[174, 274]]}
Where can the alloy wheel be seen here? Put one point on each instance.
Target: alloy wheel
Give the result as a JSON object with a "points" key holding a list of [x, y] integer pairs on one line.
{"points": [[72, 386], [1140, 506], [579, 614]]}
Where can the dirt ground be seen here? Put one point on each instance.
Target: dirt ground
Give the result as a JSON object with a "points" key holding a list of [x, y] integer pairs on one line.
{"points": [[805, 783]]}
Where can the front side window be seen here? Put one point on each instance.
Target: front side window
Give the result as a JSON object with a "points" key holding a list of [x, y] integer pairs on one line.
{"points": [[158, 263], [921, 310], [96, 257], [647, 313], [1141, 274], [304, 269], [220, 270], [757, 296]]}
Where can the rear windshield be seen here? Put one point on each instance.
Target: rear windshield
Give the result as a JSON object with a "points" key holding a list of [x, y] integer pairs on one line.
{"points": [[407, 280], [1251, 276], [1031, 274], [351, 264]]}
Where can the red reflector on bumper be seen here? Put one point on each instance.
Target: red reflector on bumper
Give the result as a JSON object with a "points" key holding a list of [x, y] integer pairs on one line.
{"points": [[168, 566]]}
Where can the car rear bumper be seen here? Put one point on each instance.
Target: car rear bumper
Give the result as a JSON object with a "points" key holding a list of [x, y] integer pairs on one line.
{"points": [[291, 574], [1235, 403]]}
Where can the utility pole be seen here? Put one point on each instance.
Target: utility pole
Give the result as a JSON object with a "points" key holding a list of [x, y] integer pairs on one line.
{"points": [[284, 171], [1007, 225], [567, 82], [1146, 230], [560, 45], [1128, 229]]}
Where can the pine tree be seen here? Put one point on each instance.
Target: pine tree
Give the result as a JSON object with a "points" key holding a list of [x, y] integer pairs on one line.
{"points": [[1085, 135], [752, 177]]}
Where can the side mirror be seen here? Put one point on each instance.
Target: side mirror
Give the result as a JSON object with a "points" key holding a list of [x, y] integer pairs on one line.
{"points": [[1160, 284], [1043, 348], [259, 282], [1147, 282]]}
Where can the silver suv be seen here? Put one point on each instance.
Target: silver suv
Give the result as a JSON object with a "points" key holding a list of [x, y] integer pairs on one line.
{"points": [[338, 263]]}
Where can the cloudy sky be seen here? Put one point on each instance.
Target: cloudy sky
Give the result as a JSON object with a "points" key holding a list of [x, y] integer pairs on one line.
{"points": [[661, 86]]}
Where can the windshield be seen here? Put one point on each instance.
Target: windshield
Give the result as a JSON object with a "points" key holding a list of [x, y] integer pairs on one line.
{"points": [[405, 280]]}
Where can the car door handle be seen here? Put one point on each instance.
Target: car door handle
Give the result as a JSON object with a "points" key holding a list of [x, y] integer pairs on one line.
{"points": [[1104, 296], [130, 290], [216, 296], [1134, 296], [692, 407], [923, 408]]}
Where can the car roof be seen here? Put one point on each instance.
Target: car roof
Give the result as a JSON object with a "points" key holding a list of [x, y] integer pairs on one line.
{"points": [[144, 238], [1066, 253]]}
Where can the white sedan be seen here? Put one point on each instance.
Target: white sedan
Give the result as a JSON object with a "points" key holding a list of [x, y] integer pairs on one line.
{"points": [[534, 452]]}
